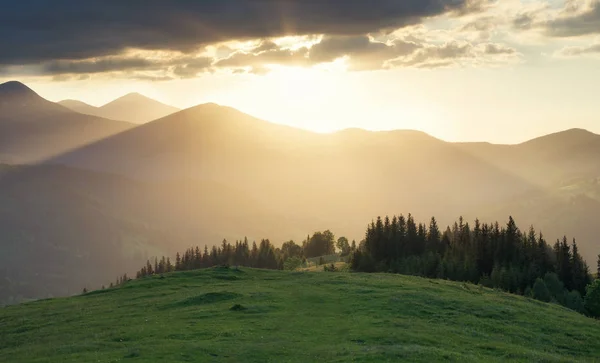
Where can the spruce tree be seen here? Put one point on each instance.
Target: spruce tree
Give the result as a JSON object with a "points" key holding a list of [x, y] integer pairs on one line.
{"points": [[177, 262]]}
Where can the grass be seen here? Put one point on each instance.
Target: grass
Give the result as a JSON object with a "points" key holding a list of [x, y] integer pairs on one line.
{"points": [[224, 315]]}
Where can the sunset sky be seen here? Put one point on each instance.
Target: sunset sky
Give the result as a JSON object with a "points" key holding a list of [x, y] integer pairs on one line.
{"points": [[462, 70]]}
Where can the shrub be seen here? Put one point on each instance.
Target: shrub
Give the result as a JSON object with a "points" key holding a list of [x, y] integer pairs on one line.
{"points": [[292, 263], [486, 281], [574, 301], [330, 268], [592, 299], [556, 288], [540, 291]]}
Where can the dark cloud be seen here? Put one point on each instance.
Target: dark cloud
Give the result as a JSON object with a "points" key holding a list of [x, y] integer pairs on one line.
{"points": [[37, 31], [96, 66], [188, 68], [576, 21]]}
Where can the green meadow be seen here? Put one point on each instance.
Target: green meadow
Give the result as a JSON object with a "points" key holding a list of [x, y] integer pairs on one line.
{"points": [[250, 315]]}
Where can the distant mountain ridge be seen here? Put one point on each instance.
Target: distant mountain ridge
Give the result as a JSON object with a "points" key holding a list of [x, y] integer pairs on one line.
{"points": [[133, 107], [33, 129]]}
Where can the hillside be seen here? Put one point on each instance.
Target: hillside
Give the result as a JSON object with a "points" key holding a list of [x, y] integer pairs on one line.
{"points": [[33, 129], [344, 179], [80, 107], [269, 316], [347, 178], [132, 107], [64, 228]]}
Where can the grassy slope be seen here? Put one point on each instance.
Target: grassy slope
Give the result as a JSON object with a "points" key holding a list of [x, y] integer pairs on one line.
{"points": [[294, 316]]}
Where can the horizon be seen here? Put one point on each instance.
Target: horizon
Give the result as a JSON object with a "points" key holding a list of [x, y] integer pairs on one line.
{"points": [[558, 131], [462, 71]]}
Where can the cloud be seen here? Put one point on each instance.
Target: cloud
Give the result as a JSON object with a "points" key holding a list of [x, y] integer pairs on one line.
{"points": [[569, 52], [266, 53], [497, 49], [39, 31], [190, 67], [459, 53], [158, 40], [363, 52], [96, 65], [576, 19]]}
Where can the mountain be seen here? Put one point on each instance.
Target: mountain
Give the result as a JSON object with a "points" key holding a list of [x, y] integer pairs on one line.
{"points": [[346, 179], [81, 107], [132, 107], [33, 129], [341, 180], [546, 160]]}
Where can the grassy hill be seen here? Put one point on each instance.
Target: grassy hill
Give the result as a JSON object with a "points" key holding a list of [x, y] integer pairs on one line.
{"points": [[226, 315]]}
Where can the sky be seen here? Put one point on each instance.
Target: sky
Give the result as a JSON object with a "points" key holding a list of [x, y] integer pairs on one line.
{"points": [[501, 71]]}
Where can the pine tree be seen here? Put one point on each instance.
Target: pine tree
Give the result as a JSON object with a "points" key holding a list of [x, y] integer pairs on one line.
{"points": [[433, 237], [177, 262], [598, 268]]}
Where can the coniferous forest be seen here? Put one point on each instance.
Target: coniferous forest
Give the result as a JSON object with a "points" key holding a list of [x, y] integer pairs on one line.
{"points": [[492, 255]]}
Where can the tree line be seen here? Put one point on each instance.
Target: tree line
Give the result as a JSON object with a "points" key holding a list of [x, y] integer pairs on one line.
{"points": [[241, 253], [491, 255]]}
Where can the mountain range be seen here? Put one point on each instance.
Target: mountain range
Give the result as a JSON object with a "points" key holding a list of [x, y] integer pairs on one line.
{"points": [[33, 129], [210, 172], [133, 107]]}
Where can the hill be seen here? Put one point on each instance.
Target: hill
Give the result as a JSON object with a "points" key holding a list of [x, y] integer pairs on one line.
{"points": [[132, 107], [270, 316], [34, 129]]}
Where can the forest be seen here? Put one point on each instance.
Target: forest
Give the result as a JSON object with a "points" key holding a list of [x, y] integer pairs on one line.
{"points": [[491, 255]]}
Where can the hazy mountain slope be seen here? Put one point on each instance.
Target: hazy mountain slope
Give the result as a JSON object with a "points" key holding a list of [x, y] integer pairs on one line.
{"points": [[344, 179], [32, 128], [132, 107], [547, 160], [295, 317], [81, 107], [65, 228], [571, 208]]}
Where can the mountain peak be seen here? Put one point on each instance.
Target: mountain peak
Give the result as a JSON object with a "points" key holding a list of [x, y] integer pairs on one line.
{"points": [[15, 88], [132, 97]]}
